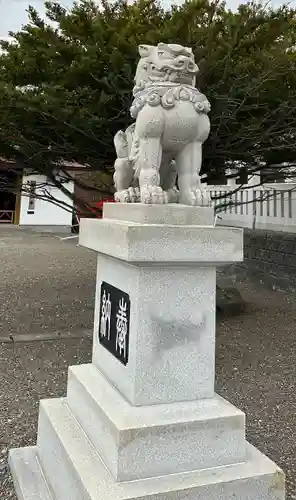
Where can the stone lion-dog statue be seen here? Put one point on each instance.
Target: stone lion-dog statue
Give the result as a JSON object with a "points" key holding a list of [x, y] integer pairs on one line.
{"points": [[163, 148]]}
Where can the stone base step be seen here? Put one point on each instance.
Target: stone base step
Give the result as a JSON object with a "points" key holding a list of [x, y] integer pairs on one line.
{"points": [[28, 478], [165, 438], [75, 471]]}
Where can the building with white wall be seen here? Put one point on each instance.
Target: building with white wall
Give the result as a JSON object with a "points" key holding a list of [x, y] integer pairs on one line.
{"points": [[45, 205], [33, 199]]}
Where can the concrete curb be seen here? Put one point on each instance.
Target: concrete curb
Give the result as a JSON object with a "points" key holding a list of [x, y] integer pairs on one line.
{"points": [[39, 337]]}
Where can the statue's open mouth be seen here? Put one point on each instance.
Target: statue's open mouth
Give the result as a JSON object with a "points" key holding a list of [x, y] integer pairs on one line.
{"points": [[181, 76], [184, 74]]}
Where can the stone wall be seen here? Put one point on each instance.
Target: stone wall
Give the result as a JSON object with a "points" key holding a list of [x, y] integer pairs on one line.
{"points": [[270, 256]]}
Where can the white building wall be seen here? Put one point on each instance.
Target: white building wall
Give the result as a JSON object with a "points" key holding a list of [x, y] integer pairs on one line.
{"points": [[44, 212]]}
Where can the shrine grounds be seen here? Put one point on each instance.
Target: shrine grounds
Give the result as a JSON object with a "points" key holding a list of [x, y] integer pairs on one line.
{"points": [[46, 313]]}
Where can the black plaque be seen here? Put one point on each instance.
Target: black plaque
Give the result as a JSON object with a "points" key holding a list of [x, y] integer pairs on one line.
{"points": [[114, 321]]}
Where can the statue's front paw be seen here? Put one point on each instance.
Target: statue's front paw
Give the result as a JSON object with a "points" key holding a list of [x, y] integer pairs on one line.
{"points": [[153, 195], [199, 197], [130, 195]]}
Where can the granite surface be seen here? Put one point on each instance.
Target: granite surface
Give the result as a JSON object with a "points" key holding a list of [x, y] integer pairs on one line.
{"points": [[165, 438], [172, 332], [175, 214]]}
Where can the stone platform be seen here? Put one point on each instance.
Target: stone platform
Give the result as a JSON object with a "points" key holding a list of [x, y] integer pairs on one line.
{"points": [[142, 421]]}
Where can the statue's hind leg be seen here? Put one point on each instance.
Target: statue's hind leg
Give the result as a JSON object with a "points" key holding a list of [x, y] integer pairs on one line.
{"points": [[123, 177], [168, 178], [126, 192]]}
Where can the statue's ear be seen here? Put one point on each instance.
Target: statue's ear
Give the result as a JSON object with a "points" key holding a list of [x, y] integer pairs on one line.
{"points": [[175, 49], [145, 50], [162, 46], [189, 53]]}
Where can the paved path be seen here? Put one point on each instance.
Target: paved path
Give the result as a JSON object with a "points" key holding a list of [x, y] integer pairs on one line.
{"points": [[46, 285]]}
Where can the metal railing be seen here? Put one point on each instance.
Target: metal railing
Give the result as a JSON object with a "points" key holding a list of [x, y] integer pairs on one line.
{"points": [[6, 216], [271, 206]]}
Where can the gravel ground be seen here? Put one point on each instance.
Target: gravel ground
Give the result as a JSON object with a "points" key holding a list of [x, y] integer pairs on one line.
{"points": [[47, 285], [256, 371], [29, 372], [256, 352]]}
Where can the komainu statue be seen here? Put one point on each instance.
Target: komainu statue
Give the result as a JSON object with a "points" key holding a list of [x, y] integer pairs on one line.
{"points": [[159, 156]]}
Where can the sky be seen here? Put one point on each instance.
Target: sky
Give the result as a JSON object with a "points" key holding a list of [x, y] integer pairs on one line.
{"points": [[13, 12]]}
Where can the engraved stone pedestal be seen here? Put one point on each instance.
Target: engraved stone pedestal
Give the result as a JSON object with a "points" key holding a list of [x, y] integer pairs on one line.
{"points": [[143, 421]]}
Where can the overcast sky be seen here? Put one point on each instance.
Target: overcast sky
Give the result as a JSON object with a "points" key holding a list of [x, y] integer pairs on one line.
{"points": [[13, 12]]}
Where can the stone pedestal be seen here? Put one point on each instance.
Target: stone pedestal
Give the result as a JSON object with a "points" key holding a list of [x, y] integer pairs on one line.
{"points": [[142, 421]]}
